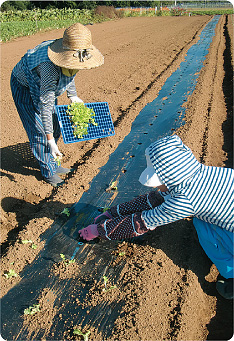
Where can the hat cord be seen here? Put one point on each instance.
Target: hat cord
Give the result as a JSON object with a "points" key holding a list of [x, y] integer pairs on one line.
{"points": [[80, 53]]}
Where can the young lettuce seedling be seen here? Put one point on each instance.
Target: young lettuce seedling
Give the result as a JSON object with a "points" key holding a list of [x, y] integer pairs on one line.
{"points": [[66, 261], [80, 117], [112, 187], [10, 273], [105, 279], [25, 241], [32, 309], [79, 332], [66, 211]]}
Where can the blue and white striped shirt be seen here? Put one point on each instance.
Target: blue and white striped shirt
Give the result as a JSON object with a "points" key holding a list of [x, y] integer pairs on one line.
{"points": [[195, 190], [45, 81]]}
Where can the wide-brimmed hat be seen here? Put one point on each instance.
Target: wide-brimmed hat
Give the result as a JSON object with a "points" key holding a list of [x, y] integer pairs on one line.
{"points": [[149, 177], [75, 50]]}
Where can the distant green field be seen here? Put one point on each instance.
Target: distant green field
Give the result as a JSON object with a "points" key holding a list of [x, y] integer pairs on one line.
{"points": [[22, 23], [215, 11]]}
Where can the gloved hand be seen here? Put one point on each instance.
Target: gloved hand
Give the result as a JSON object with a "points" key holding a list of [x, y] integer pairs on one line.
{"points": [[76, 99], [103, 216], [90, 232], [54, 148]]}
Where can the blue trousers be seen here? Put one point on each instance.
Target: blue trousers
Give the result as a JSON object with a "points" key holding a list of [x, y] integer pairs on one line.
{"points": [[218, 244], [32, 123]]}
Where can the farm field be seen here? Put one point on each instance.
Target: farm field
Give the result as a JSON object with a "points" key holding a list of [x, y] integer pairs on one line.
{"points": [[168, 282]]}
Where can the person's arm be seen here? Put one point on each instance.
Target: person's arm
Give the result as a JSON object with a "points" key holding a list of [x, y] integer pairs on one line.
{"points": [[173, 209], [139, 204], [72, 94], [71, 90], [49, 76], [122, 228]]}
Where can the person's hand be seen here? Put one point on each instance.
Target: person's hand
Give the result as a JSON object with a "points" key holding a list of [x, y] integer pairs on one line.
{"points": [[54, 148], [103, 216], [88, 233], [76, 99]]}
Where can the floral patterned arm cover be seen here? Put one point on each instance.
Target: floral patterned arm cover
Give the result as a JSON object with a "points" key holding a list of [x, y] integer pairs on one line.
{"points": [[122, 228], [127, 221], [143, 202]]}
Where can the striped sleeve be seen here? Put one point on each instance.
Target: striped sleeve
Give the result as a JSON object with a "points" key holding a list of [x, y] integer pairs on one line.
{"points": [[71, 90], [173, 209], [49, 80]]}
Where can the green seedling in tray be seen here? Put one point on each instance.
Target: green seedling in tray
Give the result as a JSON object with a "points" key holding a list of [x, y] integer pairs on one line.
{"points": [[79, 332], [32, 309], [10, 273], [80, 117]]}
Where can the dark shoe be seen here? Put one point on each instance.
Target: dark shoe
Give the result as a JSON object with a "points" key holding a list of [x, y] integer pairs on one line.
{"points": [[225, 287], [54, 180], [62, 170]]}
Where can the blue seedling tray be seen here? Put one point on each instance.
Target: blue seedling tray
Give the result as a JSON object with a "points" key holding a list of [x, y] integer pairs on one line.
{"points": [[103, 118]]}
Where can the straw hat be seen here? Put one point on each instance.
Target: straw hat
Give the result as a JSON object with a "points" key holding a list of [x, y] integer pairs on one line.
{"points": [[75, 49]]}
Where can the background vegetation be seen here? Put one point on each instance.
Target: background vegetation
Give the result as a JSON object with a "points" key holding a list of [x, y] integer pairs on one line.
{"points": [[20, 18]]}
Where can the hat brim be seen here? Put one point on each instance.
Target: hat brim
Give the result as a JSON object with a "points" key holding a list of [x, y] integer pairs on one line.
{"points": [[149, 178], [66, 58]]}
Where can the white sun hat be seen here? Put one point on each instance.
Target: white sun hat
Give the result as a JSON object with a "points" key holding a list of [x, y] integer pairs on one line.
{"points": [[148, 177]]}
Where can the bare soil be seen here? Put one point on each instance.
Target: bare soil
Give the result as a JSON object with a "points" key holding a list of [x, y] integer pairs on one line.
{"points": [[168, 283]]}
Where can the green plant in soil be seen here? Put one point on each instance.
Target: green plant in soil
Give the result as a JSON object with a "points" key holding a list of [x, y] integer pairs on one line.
{"points": [[10, 273], [32, 309], [66, 212], [79, 332], [80, 117], [112, 187], [25, 241], [105, 279], [66, 261]]}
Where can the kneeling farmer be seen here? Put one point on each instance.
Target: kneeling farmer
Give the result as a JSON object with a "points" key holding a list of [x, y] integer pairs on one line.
{"points": [[185, 188], [44, 73]]}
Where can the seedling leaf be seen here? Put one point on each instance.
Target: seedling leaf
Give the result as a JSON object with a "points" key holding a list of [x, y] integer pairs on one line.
{"points": [[32, 309], [105, 283], [66, 211], [58, 160], [26, 241], [66, 261], [80, 117], [10, 273], [112, 187], [79, 332]]}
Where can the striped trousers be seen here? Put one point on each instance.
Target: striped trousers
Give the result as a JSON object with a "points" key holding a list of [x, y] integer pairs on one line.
{"points": [[32, 123]]}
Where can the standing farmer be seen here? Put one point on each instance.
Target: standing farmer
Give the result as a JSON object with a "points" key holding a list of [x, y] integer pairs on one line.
{"points": [[186, 188], [44, 73]]}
